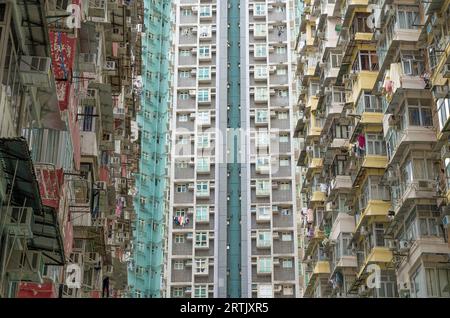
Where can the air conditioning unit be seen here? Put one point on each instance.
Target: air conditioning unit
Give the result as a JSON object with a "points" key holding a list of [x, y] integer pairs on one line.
{"points": [[189, 236], [18, 221], [191, 186], [362, 290], [364, 231], [26, 266], [278, 289], [35, 71], [309, 149]]}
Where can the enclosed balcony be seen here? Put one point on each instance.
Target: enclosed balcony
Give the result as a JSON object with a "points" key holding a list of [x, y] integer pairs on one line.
{"points": [[400, 28], [414, 179], [373, 202], [412, 125]]}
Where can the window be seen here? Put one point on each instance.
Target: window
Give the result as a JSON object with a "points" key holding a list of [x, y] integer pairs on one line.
{"points": [[178, 265], [419, 113], [179, 238], [282, 115], [285, 186], [202, 213], [183, 117], [408, 17], [260, 50], [203, 117], [201, 266], [262, 187], [285, 212], [286, 237], [365, 61], [143, 200], [280, 50], [181, 188], [262, 163], [375, 144], [260, 29], [183, 95], [261, 94], [264, 239], [181, 165], [186, 12], [203, 140], [185, 53], [201, 239], [203, 95], [438, 282], [265, 265], [200, 291], [263, 213], [287, 263], [412, 63], [204, 51], [178, 292], [203, 164], [336, 59], [205, 11], [260, 9], [203, 188], [260, 71], [185, 74], [261, 116], [284, 162], [204, 73], [281, 70], [443, 110], [284, 138]]}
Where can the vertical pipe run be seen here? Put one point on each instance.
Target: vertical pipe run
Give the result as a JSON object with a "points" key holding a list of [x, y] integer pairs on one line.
{"points": [[233, 147]]}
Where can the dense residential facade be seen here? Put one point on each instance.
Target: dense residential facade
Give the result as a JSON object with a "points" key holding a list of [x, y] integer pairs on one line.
{"points": [[232, 230], [373, 97], [66, 146]]}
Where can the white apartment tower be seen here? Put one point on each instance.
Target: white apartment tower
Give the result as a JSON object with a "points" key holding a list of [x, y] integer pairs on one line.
{"points": [[232, 227]]}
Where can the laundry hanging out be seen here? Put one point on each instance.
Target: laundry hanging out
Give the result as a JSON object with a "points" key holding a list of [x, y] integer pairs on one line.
{"points": [[181, 220]]}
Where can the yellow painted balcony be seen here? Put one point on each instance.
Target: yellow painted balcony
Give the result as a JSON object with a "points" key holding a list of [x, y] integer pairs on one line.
{"points": [[316, 163], [370, 118], [363, 36], [364, 80], [322, 267], [318, 196], [312, 103], [375, 161], [375, 209], [378, 255]]}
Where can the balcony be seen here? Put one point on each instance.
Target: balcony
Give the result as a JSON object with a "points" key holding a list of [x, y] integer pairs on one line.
{"points": [[340, 182], [399, 140], [378, 255], [362, 80], [314, 165], [412, 190], [375, 211]]}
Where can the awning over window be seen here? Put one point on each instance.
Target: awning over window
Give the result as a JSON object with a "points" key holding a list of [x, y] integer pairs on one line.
{"points": [[15, 159]]}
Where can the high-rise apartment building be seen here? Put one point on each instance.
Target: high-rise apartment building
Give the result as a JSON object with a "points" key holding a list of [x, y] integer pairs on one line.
{"points": [[147, 268], [232, 230], [374, 98]]}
